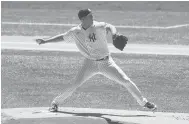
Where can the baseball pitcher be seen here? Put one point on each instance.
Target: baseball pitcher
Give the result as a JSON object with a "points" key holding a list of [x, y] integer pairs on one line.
{"points": [[91, 39]]}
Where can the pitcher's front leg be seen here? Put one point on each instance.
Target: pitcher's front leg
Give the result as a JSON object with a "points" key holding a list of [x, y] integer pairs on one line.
{"points": [[113, 72]]}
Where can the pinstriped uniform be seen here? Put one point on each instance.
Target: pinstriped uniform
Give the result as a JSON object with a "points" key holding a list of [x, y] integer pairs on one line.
{"points": [[92, 43]]}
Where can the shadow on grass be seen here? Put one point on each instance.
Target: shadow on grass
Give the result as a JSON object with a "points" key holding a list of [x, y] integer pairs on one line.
{"points": [[101, 115]]}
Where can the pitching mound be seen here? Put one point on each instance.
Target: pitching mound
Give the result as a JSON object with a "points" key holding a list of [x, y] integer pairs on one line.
{"points": [[41, 115]]}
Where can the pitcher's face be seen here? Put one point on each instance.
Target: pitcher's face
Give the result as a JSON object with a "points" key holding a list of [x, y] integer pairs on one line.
{"points": [[87, 20]]}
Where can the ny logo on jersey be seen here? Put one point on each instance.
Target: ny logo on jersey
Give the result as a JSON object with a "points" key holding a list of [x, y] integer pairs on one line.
{"points": [[92, 37]]}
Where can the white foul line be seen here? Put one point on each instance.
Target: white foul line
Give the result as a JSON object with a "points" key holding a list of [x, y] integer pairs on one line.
{"points": [[117, 26], [28, 43]]}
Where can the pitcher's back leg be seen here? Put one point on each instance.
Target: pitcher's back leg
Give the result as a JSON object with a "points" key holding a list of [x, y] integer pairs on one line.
{"points": [[87, 70]]}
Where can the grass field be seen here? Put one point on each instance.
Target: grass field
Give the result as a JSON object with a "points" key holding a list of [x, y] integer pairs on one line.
{"points": [[34, 78], [175, 6]]}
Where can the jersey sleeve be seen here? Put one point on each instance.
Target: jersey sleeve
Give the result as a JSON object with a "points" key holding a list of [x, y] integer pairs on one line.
{"points": [[69, 36], [110, 28]]}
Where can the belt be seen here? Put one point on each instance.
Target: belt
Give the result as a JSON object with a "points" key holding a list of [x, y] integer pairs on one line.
{"points": [[106, 57]]}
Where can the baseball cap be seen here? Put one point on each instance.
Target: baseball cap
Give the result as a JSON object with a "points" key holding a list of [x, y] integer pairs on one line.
{"points": [[84, 12]]}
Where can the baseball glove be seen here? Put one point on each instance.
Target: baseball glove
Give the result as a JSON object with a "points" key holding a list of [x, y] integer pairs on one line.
{"points": [[120, 41]]}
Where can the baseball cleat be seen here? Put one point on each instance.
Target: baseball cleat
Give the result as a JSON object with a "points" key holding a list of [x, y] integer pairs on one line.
{"points": [[150, 106], [53, 108]]}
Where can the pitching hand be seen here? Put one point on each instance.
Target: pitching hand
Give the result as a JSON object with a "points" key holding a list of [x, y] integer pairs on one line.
{"points": [[40, 41]]}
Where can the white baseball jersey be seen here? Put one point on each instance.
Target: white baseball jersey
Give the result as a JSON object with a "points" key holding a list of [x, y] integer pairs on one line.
{"points": [[91, 42]]}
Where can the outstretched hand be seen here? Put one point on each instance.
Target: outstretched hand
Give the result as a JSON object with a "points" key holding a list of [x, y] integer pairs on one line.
{"points": [[40, 41]]}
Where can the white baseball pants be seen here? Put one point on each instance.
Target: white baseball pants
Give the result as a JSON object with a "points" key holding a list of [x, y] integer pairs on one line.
{"points": [[107, 68]]}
